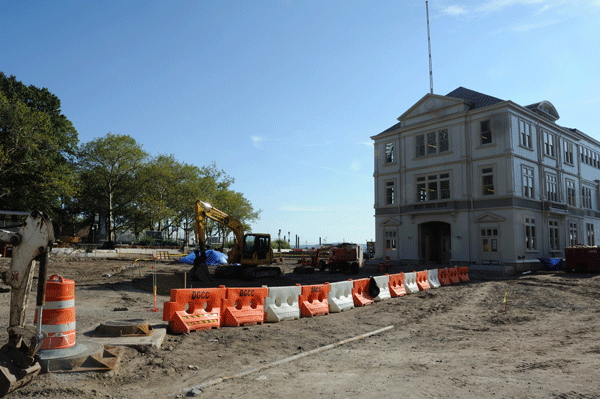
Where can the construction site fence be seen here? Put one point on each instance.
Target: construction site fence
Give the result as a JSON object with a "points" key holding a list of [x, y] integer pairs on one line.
{"points": [[192, 309]]}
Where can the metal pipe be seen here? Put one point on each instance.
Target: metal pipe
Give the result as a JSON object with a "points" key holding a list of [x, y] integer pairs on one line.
{"points": [[281, 361]]}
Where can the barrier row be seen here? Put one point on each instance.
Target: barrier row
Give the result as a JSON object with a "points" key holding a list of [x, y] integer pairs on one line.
{"points": [[206, 308]]}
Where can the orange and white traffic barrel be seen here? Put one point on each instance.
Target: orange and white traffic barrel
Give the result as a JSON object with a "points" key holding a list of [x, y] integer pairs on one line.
{"points": [[58, 314]]}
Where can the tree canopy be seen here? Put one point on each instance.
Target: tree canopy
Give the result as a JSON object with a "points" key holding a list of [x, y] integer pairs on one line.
{"points": [[37, 148], [110, 183]]}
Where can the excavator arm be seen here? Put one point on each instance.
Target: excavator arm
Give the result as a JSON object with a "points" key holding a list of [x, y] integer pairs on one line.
{"points": [[250, 250], [31, 242], [204, 211]]}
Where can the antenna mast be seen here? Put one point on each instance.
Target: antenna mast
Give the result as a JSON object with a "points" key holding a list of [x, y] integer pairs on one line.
{"points": [[429, 44]]}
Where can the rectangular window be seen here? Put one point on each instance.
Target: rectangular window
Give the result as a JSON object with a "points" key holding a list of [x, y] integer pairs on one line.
{"points": [[530, 240], [421, 191], [389, 152], [568, 152], [525, 130], [527, 182], [589, 229], [572, 234], [551, 188], [486, 132], [489, 240], [420, 148], [586, 197], [553, 229], [586, 156], [389, 193], [443, 140], [549, 148], [433, 187], [487, 181], [432, 143], [571, 200], [390, 240]]}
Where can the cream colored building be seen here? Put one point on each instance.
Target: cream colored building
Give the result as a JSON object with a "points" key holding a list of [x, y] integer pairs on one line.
{"points": [[469, 178]]}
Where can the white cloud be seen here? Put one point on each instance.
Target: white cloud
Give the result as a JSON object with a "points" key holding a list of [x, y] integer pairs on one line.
{"points": [[532, 26], [454, 10], [256, 141], [370, 143]]}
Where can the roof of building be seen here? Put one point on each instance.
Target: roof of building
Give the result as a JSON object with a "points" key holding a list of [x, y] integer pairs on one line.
{"points": [[478, 100], [544, 108], [396, 126]]}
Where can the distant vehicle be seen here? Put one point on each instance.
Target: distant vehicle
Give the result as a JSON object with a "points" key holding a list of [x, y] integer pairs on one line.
{"points": [[344, 257]]}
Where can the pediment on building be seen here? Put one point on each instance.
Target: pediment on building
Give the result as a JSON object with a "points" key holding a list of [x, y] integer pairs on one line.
{"points": [[489, 217], [433, 106], [391, 222]]}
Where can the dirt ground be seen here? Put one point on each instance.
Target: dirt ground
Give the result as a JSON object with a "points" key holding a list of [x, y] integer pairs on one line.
{"points": [[450, 342]]}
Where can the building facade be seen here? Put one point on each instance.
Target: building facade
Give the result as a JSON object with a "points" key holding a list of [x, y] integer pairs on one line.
{"points": [[468, 178]]}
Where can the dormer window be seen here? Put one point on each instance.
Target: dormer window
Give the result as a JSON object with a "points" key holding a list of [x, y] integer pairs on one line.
{"points": [[545, 109]]}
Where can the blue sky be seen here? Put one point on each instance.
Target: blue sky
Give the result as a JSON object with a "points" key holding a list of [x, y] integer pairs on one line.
{"points": [[285, 95]]}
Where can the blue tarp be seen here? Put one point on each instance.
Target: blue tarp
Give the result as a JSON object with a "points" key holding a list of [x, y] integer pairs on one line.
{"points": [[212, 258], [553, 264]]}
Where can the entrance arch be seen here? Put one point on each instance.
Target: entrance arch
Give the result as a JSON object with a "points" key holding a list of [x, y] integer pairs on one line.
{"points": [[435, 244]]}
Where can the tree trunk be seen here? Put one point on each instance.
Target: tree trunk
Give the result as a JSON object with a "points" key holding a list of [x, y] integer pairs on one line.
{"points": [[110, 217]]}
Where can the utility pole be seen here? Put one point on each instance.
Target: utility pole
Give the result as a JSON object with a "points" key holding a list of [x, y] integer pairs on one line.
{"points": [[429, 44]]}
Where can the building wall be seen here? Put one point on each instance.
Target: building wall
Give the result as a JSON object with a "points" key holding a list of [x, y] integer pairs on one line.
{"points": [[483, 228]]}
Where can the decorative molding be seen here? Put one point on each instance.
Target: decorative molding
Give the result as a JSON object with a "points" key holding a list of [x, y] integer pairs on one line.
{"points": [[489, 217]]}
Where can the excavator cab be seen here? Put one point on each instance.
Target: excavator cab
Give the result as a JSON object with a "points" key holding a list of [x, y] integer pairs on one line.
{"points": [[257, 248]]}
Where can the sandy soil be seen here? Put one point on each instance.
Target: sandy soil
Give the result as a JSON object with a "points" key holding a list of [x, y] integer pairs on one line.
{"points": [[451, 342]]}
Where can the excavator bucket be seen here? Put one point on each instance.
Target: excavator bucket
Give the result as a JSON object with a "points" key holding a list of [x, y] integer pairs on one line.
{"points": [[12, 377]]}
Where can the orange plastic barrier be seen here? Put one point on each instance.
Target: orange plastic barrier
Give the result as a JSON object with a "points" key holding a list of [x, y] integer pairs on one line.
{"points": [[443, 277], [463, 273], [396, 285], [244, 306], [58, 314], [360, 292], [453, 275], [422, 282], [313, 300], [194, 309]]}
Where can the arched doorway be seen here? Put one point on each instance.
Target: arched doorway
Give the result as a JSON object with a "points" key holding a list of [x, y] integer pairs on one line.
{"points": [[435, 245]]}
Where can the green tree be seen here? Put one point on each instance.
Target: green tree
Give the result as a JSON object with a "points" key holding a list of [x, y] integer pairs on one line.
{"points": [[210, 182], [109, 167], [37, 145], [237, 206], [169, 199]]}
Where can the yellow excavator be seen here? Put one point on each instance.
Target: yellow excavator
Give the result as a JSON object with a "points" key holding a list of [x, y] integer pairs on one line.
{"points": [[31, 243], [247, 259]]}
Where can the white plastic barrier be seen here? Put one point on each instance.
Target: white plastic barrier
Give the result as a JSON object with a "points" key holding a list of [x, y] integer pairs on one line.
{"points": [[340, 296], [432, 278], [410, 283], [282, 304], [383, 282]]}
